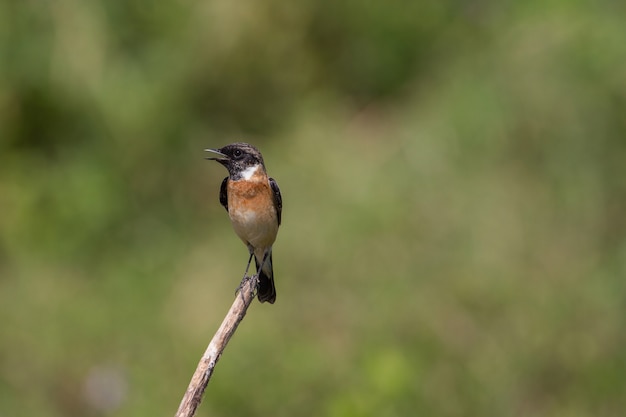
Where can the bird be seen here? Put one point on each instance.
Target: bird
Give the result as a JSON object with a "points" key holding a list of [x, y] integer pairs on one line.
{"points": [[254, 205]]}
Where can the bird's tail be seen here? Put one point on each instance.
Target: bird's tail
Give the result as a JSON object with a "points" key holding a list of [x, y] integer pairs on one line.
{"points": [[267, 291]]}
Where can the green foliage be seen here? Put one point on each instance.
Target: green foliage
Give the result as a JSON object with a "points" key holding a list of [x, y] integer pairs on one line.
{"points": [[453, 239]]}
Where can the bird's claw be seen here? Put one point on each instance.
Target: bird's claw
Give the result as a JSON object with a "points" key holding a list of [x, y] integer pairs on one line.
{"points": [[253, 288]]}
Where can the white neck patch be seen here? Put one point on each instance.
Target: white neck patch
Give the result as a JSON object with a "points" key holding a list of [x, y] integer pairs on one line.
{"points": [[249, 172]]}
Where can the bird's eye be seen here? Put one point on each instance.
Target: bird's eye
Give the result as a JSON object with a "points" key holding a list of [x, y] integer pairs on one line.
{"points": [[237, 153]]}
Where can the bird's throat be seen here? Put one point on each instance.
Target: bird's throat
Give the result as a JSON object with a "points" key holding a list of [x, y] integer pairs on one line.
{"points": [[250, 172]]}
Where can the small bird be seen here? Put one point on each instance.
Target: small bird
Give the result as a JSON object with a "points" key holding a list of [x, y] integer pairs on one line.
{"points": [[254, 205]]}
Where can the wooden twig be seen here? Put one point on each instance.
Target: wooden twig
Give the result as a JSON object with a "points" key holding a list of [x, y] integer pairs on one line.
{"points": [[200, 379]]}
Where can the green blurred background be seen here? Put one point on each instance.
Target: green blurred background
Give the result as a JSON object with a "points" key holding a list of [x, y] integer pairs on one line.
{"points": [[454, 185]]}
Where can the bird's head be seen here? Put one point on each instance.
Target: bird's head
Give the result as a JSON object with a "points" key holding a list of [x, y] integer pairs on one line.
{"points": [[240, 159]]}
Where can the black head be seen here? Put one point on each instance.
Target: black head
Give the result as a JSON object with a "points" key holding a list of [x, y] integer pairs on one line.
{"points": [[236, 157]]}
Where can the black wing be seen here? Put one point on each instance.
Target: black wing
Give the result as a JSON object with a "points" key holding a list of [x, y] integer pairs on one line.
{"points": [[224, 194], [278, 199]]}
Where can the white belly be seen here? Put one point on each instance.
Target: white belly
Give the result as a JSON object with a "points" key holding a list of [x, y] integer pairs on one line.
{"points": [[257, 230]]}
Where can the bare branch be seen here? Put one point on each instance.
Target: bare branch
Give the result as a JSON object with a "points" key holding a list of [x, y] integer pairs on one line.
{"points": [[204, 370]]}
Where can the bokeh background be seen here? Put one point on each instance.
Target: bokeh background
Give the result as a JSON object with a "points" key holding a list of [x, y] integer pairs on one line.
{"points": [[454, 185]]}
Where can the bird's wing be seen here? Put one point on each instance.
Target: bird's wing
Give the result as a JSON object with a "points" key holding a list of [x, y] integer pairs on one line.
{"points": [[278, 199], [224, 194]]}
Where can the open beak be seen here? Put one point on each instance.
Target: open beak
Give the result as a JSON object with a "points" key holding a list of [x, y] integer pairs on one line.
{"points": [[221, 156]]}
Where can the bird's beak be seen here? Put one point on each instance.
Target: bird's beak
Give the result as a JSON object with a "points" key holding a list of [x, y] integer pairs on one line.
{"points": [[222, 157]]}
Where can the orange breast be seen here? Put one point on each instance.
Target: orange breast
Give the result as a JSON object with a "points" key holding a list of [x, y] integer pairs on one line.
{"points": [[251, 210]]}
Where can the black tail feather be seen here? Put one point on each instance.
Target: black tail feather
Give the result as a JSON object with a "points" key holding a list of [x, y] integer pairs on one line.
{"points": [[267, 291]]}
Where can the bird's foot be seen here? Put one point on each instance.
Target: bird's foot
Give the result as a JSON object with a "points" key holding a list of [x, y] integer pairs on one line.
{"points": [[253, 288]]}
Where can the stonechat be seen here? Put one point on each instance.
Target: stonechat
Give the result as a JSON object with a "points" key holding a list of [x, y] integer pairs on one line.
{"points": [[254, 205]]}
